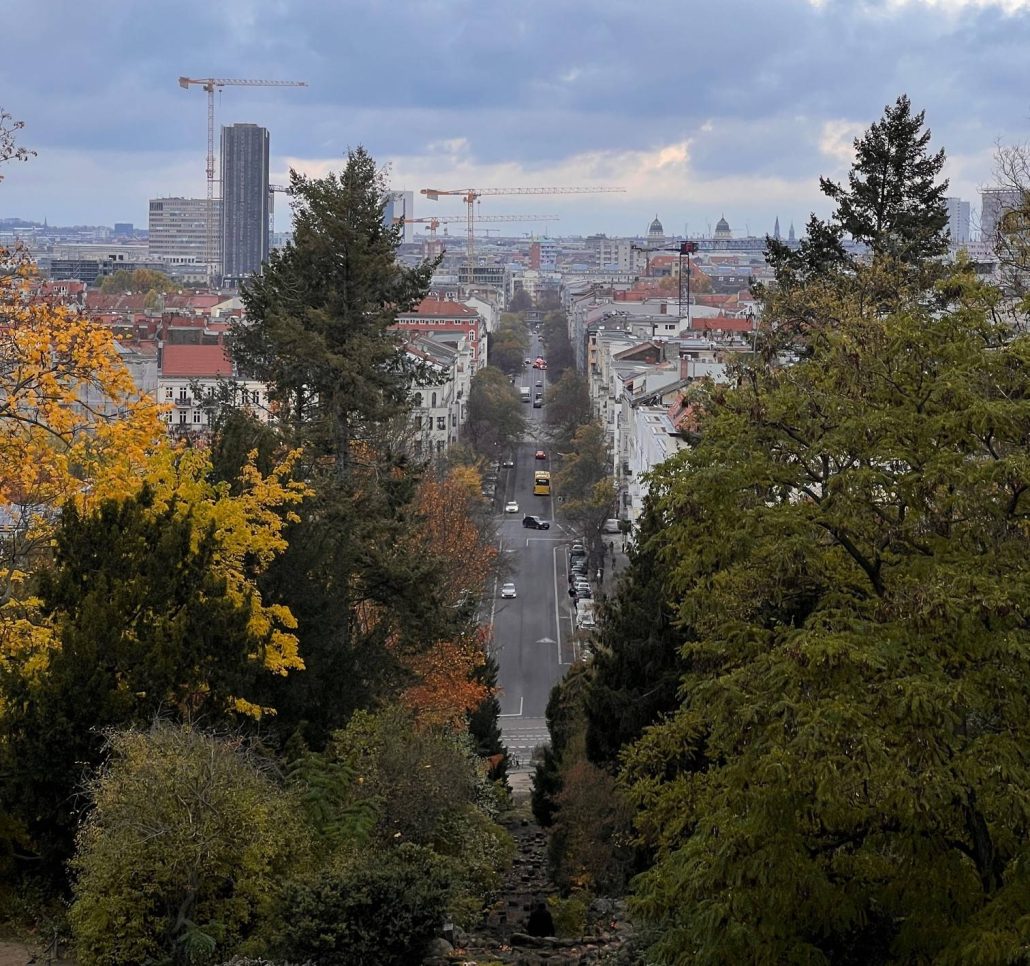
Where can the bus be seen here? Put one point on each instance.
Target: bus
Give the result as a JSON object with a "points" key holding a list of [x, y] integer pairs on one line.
{"points": [[541, 483]]}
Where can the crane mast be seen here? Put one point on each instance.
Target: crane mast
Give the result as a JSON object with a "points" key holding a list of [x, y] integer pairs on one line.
{"points": [[209, 85]]}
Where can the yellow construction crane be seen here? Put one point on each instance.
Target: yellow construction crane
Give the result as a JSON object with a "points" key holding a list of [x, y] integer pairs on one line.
{"points": [[471, 195], [210, 85], [435, 223]]}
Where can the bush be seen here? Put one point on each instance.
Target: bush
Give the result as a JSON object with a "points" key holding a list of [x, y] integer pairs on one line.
{"points": [[381, 907], [569, 915]]}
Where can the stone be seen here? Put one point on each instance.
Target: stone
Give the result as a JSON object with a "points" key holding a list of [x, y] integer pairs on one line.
{"points": [[439, 948]]}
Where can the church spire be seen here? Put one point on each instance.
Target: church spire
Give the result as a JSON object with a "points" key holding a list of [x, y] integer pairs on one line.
{"points": [[790, 234], [776, 228]]}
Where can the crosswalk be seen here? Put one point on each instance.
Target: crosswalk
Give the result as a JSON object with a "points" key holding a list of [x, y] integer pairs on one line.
{"points": [[523, 736]]}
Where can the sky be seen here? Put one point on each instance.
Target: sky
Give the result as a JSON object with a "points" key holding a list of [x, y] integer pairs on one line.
{"points": [[697, 109]]}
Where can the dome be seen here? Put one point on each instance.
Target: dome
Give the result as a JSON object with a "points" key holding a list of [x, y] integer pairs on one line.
{"points": [[722, 225], [656, 227]]}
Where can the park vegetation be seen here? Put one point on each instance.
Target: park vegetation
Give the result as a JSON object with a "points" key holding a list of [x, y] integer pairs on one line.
{"points": [[245, 703]]}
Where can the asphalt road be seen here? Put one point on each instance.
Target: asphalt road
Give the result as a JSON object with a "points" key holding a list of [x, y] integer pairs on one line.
{"points": [[532, 632]]}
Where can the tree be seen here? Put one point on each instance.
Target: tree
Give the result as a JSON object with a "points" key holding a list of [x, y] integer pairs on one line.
{"points": [[509, 345], [636, 663], [184, 851], [586, 465], [568, 407], [1012, 237], [520, 302], [893, 202], [555, 335], [148, 615], [318, 320], [10, 150], [495, 420], [139, 280], [845, 777]]}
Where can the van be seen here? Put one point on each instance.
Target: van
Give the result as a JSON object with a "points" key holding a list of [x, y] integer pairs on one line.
{"points": [[611, 526]]}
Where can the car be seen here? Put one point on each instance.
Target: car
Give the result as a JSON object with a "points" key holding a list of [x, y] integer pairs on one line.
{"points": [[582, 593], [535, 523], [508, 590], [540, 455], [611, 526], [508, 464], [511, 507], [527, 362], [577, 550], [537, 404], [539, 382]]}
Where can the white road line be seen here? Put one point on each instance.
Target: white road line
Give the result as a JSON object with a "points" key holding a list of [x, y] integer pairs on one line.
{"points": [[513, 714], [557, 621]]}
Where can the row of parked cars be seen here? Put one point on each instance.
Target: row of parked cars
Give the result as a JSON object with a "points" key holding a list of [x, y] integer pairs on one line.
{"points": [[579, 584]]}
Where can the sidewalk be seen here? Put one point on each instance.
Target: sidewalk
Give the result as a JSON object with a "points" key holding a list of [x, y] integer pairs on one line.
{"points": [[614, 564]]}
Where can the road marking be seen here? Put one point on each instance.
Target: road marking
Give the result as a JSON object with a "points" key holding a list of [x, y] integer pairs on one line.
{"points": [[557, 620], [513, 714]]}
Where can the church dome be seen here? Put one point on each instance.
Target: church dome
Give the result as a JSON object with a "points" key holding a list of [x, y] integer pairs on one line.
{"points": [[722, 229], [656, 228]]}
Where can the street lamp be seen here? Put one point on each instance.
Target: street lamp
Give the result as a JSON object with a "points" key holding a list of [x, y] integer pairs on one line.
{"points": [[687, 249]]}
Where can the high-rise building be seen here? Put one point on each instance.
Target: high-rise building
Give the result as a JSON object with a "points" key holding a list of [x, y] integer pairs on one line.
{"points": [[244, 200], [178, 231], [401, 204], [958, 220], [995, 203]]}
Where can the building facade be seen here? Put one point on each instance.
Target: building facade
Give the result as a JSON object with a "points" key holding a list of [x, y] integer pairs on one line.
{"points": [[244, 200], [958, 221], [178, 230], [401, 204]]}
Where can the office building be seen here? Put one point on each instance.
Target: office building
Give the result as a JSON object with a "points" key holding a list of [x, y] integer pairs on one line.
{"points": [[401, 204], [995, 203], [178, 231], [958, 220], [244, 200]]}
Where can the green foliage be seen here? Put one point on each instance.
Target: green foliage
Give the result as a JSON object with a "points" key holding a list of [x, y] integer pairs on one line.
{"points": [[846, 777], [484, 724], [555, 335], [183, 852], [495, 420], [318, 320], [892, 202], [145, 626], [585, 463], [568, 408], [569, 914], [509, 344], [379, 907], [636, 664], [139, 280]]}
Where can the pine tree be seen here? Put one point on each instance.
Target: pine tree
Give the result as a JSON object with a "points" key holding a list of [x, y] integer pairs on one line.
{"points": [[317, 326], [893, 202]]}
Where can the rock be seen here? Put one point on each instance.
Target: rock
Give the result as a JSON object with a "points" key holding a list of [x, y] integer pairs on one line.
{"points": [[439, 948]]}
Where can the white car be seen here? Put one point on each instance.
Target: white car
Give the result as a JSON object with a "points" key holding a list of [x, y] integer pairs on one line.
{"points": [[511, 507], [508, 590]]}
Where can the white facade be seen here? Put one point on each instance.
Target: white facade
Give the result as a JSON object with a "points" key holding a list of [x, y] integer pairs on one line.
{"points": [[193, 411], [958, 220]]}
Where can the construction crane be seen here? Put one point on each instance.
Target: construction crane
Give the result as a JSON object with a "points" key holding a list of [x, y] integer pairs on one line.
{"points": [[471, 195], [210, 85], [435, 223]]}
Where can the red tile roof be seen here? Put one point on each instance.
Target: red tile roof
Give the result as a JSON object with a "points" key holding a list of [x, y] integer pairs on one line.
{"points": [[440, 308], [195, 361], [724, 323]]}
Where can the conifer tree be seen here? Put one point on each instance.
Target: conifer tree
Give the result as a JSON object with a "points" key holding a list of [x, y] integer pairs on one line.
{"points": [[893, 202]]}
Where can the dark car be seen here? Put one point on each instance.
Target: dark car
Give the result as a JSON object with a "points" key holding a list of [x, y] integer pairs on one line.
{"points": [[535, 523]]}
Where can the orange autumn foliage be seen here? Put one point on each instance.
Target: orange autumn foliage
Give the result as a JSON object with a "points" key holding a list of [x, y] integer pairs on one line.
{"points": [[445, 692]]}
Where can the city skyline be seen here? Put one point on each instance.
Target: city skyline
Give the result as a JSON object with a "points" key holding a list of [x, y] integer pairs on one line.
{"points": [[740, 119]]}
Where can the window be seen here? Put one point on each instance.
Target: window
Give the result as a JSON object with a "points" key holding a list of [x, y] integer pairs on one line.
{"points": [[441, 422], [418, 447], [168, 417], [255, 397], [182, 394], [454, 420], [182, 417], [433, 403], [417, 399], [439, 445], [472, 335], [168, 392], [196, 415], [418, 421]]}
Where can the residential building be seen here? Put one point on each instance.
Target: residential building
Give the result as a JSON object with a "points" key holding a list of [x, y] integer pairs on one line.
{"points": [[440, 408], [446, 319], [995, 203], [189, 379], [244, 200]]}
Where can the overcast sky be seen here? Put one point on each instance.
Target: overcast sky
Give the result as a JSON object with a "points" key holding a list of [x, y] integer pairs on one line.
{"points": [[698, 109]]}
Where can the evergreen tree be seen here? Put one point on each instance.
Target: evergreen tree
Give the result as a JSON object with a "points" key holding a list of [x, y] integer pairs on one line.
{"points": [[317, 327], [893, 202], [485, 723], [145, 628], [636, 663]]}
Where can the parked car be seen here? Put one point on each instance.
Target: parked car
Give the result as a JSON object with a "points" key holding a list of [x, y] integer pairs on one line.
{"points": [[540, 455], [535, 523], [511, 507], [508, 590], [577, 550], [539, 382], [538, 404], [612, 526], [582, 593]]}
